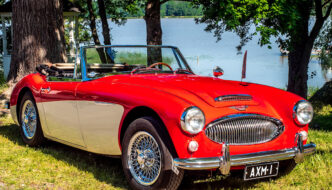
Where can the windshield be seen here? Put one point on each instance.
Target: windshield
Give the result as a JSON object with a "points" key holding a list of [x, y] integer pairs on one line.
{"points": [[113, 60]]}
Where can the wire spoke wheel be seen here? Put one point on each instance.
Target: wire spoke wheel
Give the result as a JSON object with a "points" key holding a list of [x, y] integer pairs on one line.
{"points": [[144, 158], [29, 119]]}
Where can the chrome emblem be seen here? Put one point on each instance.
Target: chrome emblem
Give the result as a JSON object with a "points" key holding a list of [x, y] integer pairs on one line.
{"points": [[240, 108]]}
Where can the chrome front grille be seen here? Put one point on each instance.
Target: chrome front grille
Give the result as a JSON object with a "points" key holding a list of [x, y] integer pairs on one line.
{"points": [[244, 129]]}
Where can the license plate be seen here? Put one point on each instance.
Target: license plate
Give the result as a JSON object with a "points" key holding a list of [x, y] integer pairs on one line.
{"points": [[262, 170]]}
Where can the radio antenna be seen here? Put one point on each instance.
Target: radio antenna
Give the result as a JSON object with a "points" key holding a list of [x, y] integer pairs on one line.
{"points": [[244, 66]]}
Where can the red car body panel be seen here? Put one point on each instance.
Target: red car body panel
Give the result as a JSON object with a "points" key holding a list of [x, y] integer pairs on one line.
{"points": [[169, 95]]}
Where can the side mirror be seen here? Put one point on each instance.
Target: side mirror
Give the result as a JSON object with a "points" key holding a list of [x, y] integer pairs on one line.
{"points": [[217, 72], [92, 74]]}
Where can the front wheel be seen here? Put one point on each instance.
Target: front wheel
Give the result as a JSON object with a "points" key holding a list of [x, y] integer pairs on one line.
{"points": [[146, 160]]}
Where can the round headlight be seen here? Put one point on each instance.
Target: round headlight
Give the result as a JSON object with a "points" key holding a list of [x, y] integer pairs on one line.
{"points": [[303, 112], [192, 120]]}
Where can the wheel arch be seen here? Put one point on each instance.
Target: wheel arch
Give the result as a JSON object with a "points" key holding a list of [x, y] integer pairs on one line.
{"points": [[143, 111], [19, 99]]}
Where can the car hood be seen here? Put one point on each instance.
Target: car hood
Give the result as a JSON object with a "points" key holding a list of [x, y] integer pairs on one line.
{"points": [[205, 88]]}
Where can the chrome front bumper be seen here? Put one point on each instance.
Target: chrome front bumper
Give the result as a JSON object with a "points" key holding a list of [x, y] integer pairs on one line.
{"points": [[225, 162]]}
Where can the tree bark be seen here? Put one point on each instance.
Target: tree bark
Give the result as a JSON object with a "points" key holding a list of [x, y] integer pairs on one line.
{"points": [[298, 71], [299, 56], [153, 30], [38, 36], [106, 29], [94, 33], [103, 18]]}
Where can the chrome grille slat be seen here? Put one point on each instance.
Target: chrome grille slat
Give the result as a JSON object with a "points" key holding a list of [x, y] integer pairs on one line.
{"points": [[244, 129]]}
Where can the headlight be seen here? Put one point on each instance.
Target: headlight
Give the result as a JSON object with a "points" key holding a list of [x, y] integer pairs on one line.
{"points": [[303, 112], [192, 120]]}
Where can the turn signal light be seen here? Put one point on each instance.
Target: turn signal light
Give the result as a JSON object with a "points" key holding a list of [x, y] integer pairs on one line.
{"points": [[193, 146]]}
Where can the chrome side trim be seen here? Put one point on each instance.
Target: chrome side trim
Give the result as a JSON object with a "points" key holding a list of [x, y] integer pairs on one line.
{"points": [[242, 159], [13, 113]]}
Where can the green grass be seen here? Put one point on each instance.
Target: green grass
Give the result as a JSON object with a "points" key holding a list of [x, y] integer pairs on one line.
{"points": [[56, 166], [323, 118], [53, 166]]}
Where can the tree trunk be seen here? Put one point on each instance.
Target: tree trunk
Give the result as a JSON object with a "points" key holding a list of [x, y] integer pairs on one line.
{"points": [[298, 60], [106, 29], [94, 33], [153, 30], [299, 56], [103, 18], [38, 36]]}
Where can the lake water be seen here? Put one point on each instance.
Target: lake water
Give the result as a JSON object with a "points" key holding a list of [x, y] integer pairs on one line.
{"points": [[203, 53]]}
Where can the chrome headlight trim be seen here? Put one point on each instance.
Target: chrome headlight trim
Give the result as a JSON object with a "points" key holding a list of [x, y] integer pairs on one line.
{"points": [[185, 125], [296, 110]]}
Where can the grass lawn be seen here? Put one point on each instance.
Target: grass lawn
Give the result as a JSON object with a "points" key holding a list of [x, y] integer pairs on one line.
{"points": [[56, 166]]}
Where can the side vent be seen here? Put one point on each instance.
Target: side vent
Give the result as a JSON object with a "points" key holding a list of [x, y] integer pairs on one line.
{"points": [[233, 97]]}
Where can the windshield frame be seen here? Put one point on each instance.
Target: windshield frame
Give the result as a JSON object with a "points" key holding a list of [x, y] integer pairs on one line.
{"points": [[177, 54]]}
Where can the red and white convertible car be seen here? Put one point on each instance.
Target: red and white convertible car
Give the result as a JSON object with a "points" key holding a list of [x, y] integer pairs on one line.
{"points": [[145, 105]]}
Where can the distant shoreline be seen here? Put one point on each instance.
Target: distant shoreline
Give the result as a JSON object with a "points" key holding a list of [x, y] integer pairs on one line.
{"points": [[167, 17]]}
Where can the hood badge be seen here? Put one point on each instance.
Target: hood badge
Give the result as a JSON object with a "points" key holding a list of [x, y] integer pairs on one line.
{"points": [[239, 108]]}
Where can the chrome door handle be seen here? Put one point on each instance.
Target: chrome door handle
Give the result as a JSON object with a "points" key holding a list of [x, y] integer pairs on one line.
{"points": [[48, 89]]}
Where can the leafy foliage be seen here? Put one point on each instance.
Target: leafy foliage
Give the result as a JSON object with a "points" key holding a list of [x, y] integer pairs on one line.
{"points": [[169, 8], [324, 43], [286, 20], [117, 11]]}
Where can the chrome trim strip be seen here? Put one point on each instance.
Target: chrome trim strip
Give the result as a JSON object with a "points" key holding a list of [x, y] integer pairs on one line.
{"points": [[13, 113], [243, 159]]}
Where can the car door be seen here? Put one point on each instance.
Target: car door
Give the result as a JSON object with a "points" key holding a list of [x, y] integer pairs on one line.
{"points": [[100, 117], [60, 107]]}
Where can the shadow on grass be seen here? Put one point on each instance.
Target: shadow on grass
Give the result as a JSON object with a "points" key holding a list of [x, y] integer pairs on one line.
{"points": [[322, 122], [105, 169]]}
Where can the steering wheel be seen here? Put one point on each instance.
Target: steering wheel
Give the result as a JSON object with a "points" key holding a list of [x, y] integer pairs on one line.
{"points": [[160, 63]]}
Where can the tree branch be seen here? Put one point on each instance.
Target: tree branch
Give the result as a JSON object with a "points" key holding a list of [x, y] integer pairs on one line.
{"points": [[325, 3], [164, 1], [328, 12], [318, 9]]}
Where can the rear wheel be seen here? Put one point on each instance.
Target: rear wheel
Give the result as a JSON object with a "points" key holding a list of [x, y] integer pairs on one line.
{"points": [[146, 160], [30, 127]]}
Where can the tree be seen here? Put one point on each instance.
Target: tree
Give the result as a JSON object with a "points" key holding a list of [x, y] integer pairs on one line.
{"points": [[115, 10], [37, 39], [286, 20], [92, 18], [153, 29]]}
